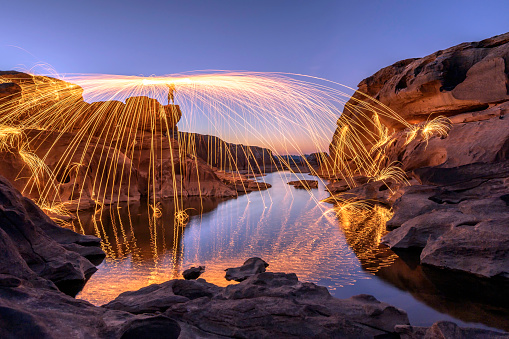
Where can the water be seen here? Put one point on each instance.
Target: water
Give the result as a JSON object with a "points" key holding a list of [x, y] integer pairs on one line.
{"points": [[293, 232]]}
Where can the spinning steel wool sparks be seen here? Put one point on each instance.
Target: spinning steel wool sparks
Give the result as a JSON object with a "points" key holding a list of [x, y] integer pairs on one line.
{"points": [[94, 140]]}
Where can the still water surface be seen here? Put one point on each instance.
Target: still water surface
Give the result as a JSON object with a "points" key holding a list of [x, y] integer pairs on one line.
{"points": [[289, 229]]}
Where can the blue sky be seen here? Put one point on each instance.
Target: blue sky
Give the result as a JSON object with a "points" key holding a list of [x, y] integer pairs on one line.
{"points": [[344, 41]]}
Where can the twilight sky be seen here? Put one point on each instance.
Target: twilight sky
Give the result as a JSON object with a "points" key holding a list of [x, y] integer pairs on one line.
{"points": [[343, 41]]}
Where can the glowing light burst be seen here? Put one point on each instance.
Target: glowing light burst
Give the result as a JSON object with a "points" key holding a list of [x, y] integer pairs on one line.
{"points": [[92, 140]]}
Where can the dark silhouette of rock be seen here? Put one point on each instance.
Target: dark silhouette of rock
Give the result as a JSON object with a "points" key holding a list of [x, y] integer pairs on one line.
{"points": [[193, 272], [30, 229], [250, 267]]}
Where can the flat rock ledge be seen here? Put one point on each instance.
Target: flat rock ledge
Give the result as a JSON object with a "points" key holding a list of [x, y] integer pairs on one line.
{"points": [[458, 217]]}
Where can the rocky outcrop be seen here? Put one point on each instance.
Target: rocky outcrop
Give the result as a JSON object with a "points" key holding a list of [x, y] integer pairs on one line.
{"points": [[459, 219], [264, 305], [455, 210], [468, 77], [49, 251]]}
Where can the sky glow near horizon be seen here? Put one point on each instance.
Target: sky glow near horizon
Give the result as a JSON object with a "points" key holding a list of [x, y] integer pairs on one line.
{"points": [[342, 41]]}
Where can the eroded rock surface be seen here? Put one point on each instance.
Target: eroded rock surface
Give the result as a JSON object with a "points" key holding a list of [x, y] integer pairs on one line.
{"points": [[460, 221], [264, 305], [49, 251]]}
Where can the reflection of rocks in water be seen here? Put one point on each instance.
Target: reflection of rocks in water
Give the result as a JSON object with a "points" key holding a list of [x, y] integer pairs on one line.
{"points": [[141, 231], [363, 229], [462, 296]]}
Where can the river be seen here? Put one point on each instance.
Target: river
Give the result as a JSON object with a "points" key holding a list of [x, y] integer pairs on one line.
{"points": [[291, 230]]}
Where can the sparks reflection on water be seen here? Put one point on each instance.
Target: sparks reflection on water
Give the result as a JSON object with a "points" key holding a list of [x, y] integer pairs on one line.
{"points": [[291, 232]]}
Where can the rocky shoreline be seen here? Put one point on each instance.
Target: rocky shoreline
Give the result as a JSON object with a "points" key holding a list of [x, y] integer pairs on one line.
{"points": [[454, 210], [454, 214], [42, 266]]}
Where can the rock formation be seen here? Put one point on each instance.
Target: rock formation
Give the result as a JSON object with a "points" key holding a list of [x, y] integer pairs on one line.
{"points": [[193, 272], [38, 258], [305, 184], [47, 250], [456, 210], [250, 267], [90, 160]]}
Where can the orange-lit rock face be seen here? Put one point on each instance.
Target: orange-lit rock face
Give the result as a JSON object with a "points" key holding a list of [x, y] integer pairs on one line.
{"points": [[104, 152], [462, 78], [466, 83]]}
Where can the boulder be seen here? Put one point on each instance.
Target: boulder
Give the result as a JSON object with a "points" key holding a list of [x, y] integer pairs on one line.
{"points": [[418, 231], [250, 267], [193, 272], [480, 248], [159, 297]]}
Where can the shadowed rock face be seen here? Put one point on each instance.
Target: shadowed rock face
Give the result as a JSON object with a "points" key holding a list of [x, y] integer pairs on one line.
{"points": [[49, 251]]}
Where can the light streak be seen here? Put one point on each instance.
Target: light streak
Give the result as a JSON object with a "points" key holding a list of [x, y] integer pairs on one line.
{"points": [[99, 139]]}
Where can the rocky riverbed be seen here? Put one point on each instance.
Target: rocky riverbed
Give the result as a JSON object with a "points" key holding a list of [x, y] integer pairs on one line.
{"points": [[42, 266]]}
